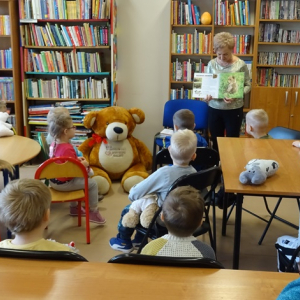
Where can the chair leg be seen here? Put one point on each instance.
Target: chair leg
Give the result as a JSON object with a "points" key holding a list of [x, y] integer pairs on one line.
{"points": [[270, 221], [5, 177]]}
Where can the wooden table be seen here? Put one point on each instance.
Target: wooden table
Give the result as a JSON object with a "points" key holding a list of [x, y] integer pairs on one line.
{"points": [[31, 279], [17, 149], [235, 154]]}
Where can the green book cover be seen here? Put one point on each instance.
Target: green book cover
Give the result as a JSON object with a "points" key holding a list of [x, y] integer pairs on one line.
{"points": [[219, 86]]}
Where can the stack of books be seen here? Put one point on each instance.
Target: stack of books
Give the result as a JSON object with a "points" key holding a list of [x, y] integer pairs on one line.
{"points": [[4, 25], [6, 88]]}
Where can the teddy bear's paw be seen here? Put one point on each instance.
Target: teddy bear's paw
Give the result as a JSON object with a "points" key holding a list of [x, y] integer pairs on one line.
{"points": [[130, 182], [103, 185], [131, 219], [148, 214]]}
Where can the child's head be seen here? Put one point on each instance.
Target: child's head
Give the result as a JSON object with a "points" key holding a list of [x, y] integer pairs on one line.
{"points": [[257, 121], [183, 146], [3, 107], [184, 119], [182, 211], [59, 120], [24, 204]]}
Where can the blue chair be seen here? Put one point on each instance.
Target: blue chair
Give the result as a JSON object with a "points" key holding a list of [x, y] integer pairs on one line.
{"points": [[199, 108]]}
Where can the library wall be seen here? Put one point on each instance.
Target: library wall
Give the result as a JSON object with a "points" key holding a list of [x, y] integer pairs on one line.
{"points": [[143, 61]]}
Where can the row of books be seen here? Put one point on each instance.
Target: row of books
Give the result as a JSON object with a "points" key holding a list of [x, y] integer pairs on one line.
{"points": [[269, 77], [181, 93], [5, 59], [274, 34], [237, 13], [197, 43], [4, 25], [242, 43], [185, 13], [280, 9], [64, 9], [279, 58], [6, 88], [58, 61], [184, 71], [67, 88], [53, 35]]}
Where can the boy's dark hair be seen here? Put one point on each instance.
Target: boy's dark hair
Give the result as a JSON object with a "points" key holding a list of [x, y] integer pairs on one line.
{"points": [[184, 119], [183, 211]]}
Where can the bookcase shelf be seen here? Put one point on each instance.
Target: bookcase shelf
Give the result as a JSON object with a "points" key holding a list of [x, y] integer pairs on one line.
{"points": [[10, 39], [278, 66], [62, 44], [279, 20], [234, 26], [278, 44]]}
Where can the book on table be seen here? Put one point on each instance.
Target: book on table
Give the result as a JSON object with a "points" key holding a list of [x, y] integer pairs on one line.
{"points": [[223, 85]]}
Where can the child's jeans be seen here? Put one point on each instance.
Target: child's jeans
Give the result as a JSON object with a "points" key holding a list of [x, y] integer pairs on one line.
{"points": [[77, 183]]}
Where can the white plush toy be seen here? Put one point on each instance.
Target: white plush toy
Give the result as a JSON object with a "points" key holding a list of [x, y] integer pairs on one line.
{"points": [[5, 128], [258, 170]]}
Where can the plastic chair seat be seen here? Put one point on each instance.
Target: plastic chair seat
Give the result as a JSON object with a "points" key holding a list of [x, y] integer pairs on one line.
{"points": [[58, 196]]}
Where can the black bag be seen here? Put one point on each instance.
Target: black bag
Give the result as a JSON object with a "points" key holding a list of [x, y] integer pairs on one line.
{"points": [[288, 251]]}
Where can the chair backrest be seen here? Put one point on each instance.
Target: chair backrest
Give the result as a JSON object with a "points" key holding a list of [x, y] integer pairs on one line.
{"points": [[43, 255], [191, 262], [58, 167], [43, 144], [206, 158], [199, 108], [284, 133]]}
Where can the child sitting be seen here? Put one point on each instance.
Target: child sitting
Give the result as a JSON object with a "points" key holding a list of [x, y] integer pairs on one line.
{"points": [[61, 129], [183, 119], [182, 213], [25, 211], [257, 122], [182, 150]]}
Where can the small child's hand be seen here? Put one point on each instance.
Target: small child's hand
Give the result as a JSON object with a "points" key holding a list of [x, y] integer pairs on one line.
{"points": [[83, 161], [208, 98], [296, 144], [228, 100]]}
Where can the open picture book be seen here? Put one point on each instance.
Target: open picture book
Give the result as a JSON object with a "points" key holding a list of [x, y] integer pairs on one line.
{"points": [[223, 85]]}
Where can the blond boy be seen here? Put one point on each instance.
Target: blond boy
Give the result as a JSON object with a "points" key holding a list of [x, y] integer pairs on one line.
{"points": [[257, 122]]}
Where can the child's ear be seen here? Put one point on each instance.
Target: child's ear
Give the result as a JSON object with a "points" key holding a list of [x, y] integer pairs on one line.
{"points": [[194, 156], [46, 217], [175, 127], [162, 216], [194, 125]]}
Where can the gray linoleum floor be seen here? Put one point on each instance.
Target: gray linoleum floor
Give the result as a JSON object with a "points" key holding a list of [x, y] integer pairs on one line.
{"points": [[63, 228]]}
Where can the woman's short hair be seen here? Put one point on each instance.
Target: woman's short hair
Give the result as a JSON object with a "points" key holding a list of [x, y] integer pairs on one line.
{"points": [[257, 118], [183, 146], [23, 204], [183, 211], [223, 40], [58, 120], [184, 119]]}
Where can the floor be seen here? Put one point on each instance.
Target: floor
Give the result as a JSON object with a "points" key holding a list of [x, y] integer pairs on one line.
{"points": [[63, 228]]}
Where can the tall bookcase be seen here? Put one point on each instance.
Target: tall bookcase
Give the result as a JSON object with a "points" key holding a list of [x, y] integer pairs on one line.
{"points": [[9, 39], [68, 54]]}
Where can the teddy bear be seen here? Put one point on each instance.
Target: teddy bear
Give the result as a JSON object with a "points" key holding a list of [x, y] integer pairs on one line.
{"points": [[112, 152], [5, 128], [141, 211], [258, 170]]}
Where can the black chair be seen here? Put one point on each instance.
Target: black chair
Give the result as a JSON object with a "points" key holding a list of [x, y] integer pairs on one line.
{"points": [[191, 262], [287, 258], [206, 158], [42, 255], [201, 181]]}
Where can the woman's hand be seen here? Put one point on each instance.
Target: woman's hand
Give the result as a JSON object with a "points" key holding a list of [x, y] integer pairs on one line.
{"points": [[208, 98], [228, 100], [296, 144], [83, 161]]}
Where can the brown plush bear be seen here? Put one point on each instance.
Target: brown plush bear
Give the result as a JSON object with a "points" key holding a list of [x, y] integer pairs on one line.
{"points": [[112, 152]]}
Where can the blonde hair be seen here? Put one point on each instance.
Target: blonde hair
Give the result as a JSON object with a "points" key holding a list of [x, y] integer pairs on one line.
{"points": [[184, 119], [23, 204], [223, 40], [257, 118], [183, 146], [183, 211], [58, 120], [3, 107], [4, 165]]}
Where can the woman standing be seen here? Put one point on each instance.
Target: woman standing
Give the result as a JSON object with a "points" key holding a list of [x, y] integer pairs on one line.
{"points": [[226, 115]]}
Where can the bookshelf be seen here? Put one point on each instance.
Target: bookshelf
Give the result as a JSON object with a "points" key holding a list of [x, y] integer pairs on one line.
{"points": [[68, 58], [276, 83], [10, 87]]}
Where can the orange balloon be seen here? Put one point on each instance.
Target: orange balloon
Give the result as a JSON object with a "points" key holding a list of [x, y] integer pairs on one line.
{"points": [[206, 18]]}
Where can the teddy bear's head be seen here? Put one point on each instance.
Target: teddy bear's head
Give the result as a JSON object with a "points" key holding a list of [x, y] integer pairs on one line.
{"points": [[115, 123], [3, 116]]}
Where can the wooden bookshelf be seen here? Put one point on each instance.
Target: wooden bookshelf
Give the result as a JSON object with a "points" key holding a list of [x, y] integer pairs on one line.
{"points": [[46, 44], [10, 7]]}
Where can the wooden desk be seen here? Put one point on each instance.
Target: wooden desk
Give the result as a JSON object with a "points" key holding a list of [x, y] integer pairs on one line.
{"points": [[235, 154], [29, 279], [17, 149]]}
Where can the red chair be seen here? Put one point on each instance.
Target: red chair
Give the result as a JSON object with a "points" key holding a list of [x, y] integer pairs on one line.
{"points": [[59, 167]]}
